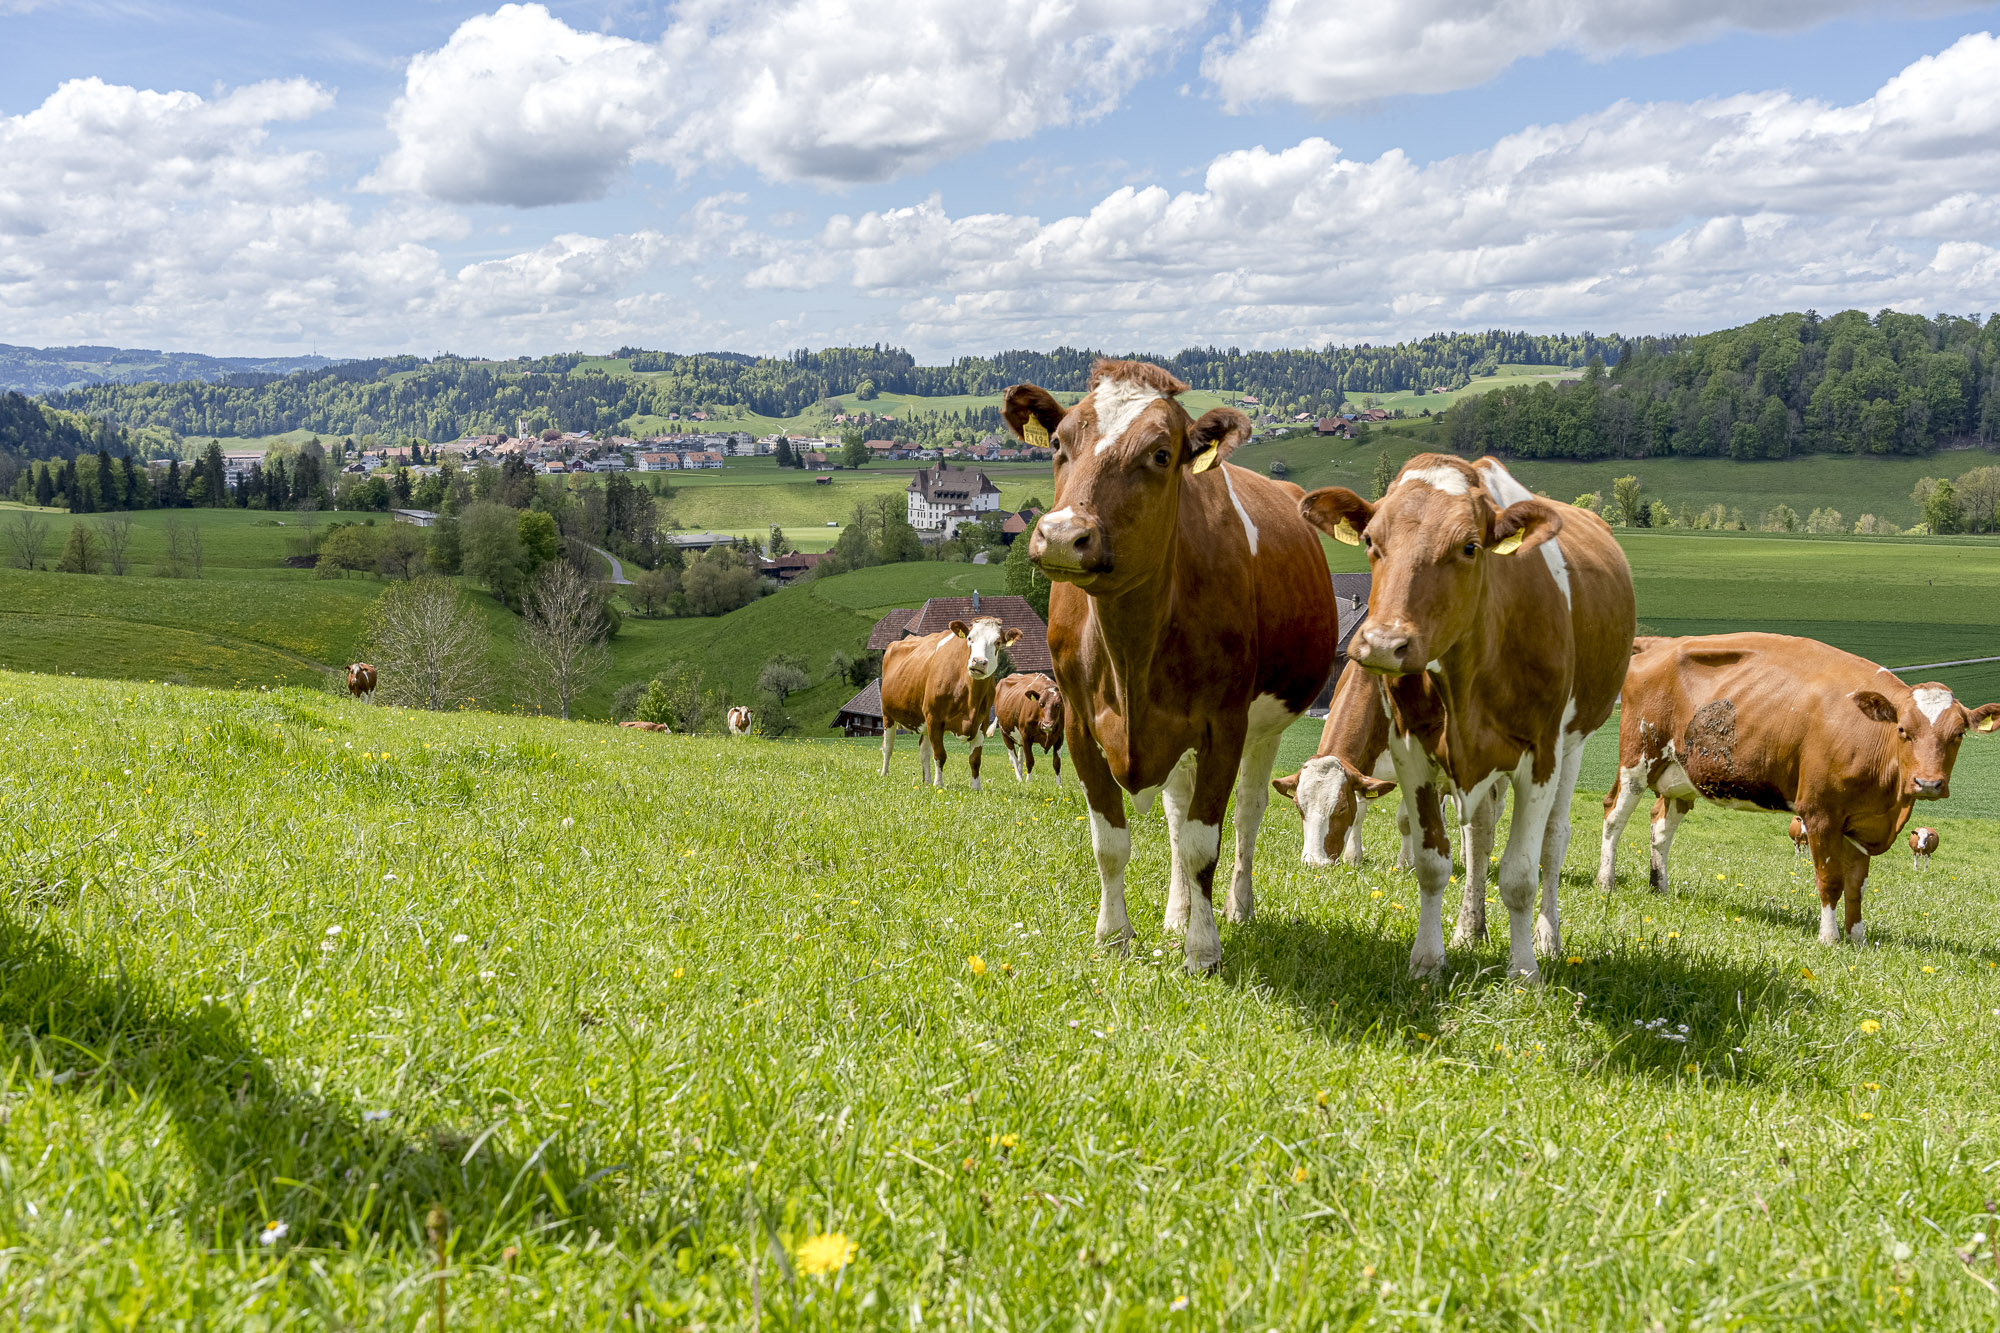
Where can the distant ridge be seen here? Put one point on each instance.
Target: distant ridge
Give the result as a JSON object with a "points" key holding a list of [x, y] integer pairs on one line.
{"points": [[40, 370]]}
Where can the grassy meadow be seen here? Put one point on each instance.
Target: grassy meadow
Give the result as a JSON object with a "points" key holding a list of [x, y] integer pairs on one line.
{"points": [[666, 1042]]}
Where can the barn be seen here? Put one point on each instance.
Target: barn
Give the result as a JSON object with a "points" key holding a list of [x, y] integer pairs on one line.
{"points": [[1350, 595]]}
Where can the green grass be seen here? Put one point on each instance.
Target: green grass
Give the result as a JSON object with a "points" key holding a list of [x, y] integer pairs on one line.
{"points": [[642, 1014]]}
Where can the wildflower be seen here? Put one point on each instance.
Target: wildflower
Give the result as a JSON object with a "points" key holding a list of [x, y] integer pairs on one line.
{"points": [[487, 976], [272, 1233], [680, 971], [1806, 972], [1321, 1099], [826, 1254], [1673, 934], [1180, 1303], [1299, 1176], [1574, 960], [1872, 1087], [372, 1116], [1376, 894], [1870, 1025], [1928, 968], [333, 930], [1009, 1140], [1719, 879], [1867, 1115], [460, 939], [569, 821], [976, 965]]}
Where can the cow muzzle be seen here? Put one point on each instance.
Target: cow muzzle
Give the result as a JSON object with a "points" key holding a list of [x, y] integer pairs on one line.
{"points": [[1931, 789], [980, 667], [1387, 648], [1070, 547]]}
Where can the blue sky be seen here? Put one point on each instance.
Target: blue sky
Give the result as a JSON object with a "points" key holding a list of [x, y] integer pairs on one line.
{"points": [[768, 174]]}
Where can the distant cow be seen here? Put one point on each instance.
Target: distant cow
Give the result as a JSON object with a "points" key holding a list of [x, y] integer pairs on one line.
{"points": [[1499, 624], [739, 721], [1191, 621], [1770, 722], [646, 726], [361, 680], [942, 683], [1798, 832], [1923, 842], [1028, 711], [1353, 765]]}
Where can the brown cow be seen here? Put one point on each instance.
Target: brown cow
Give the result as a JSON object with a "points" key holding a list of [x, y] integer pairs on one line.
{"points": [[1770, 722], [938, 683], [1798, 832], [1353, 765], [1191, 622], [361, 680], [1499, 625], [646, 726], [1028, 711], [1923, 842], [739, 720]]}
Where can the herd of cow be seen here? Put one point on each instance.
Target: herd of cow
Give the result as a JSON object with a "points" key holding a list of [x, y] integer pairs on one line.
{"points": [[1191, 621]]}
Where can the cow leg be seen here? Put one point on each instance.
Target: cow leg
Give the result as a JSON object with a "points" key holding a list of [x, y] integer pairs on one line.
{"points": [[1433, 859], [1555, 847], [1619, 803], [978, 748], [888, 744], [1027, 756], [1199, 850], [1253, 797], [1406, 858], [1841, 868], [1668, 812], [1007, 739], [1110, 840], [1520, 864], [1055, 761], [1477, 838], [1175, 794]]}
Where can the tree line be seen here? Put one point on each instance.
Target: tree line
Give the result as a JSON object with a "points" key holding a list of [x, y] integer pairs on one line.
{"points": [[1779, 386]]}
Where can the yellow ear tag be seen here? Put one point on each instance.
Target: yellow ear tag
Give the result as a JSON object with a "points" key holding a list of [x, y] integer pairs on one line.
{"points": [[1507, 545], [1989, 724], [1209, 458], [1035, 434], [1343, 531]]}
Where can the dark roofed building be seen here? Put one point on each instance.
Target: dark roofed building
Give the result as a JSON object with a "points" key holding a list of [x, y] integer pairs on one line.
{"points": [[938, 493], [862, 715], [1350, 598], [795, 565], [1030, 652], [889, 629]]}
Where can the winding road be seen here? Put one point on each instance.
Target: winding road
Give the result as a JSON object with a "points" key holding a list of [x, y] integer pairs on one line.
{"points": [[617, 569]]}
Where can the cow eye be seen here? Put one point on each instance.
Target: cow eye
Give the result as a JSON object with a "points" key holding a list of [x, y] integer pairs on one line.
{"points": [[1159, 458], [1471, 549]]}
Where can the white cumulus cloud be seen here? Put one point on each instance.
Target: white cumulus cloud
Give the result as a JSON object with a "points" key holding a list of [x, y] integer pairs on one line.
{"points": [[1329, 54], [520, 108]]}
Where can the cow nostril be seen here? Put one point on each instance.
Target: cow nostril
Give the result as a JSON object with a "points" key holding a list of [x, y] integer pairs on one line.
{"points": [[1081, 541]]}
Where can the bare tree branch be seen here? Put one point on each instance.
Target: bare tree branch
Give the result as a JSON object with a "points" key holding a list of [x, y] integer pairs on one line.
{"points": [[562, 638]]}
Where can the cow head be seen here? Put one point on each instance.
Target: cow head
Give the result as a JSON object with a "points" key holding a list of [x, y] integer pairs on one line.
{"points": [[1327, 793], [1429, 541], [1929, 725], [1121, 456], [986, 638], [1047, 700]]}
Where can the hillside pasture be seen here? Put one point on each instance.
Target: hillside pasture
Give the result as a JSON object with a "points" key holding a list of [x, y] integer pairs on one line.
{"points": [[664, 1026]]}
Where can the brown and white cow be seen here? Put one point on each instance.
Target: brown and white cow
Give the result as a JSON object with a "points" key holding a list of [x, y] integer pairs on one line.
{"points": [[1028, 711], [1798, 834], [942, 683], [646, 726], [1771, 722], [1499, 624], [361, 680], [739, 721], [1191, 621], [1353, 765], [1923, 841]]}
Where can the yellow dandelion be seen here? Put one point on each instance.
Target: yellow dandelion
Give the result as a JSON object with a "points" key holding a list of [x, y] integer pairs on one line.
{"points": [[976, 965], [1299, 1176], [1574, 959], [680, 971], [1929, 969], [826, 1254], [1376, 894], [1867, 1115], [1806, 972], [1321, 1099], [1722, 879], [1872, 1087], [1009, 1140], [1423, 1036], [1870, 1025]]}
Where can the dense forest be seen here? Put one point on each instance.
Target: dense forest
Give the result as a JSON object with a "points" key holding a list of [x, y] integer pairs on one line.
{"points": [[453, 396], [1783, 385], [34, 370]]}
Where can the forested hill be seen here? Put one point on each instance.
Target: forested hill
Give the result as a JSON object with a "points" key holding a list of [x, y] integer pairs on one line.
{"points": [[1783, 385], [38, 370], [452, 396]]}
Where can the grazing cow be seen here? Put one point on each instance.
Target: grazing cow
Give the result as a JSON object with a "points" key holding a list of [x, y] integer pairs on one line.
{"points": [[361, 680], [938, 683], [739, 721], [646, 726], [1353, 765], [1798, 832], [1770, 722], [1191, 621], [1499, 625], [1028, 711], [1923, 842]]}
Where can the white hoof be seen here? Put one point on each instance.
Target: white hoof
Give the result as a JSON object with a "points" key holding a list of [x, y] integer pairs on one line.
{"points": [[1425, 962]]}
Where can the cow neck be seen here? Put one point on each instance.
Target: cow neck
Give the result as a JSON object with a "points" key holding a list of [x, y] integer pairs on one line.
{"points": [[1132, 625]]}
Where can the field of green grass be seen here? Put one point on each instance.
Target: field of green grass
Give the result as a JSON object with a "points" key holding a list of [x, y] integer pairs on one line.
{"points": [[670, 1030]]}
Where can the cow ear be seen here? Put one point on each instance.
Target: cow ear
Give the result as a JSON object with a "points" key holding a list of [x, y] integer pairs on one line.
{"points": [[1287, 786], [1035, 695], [1986, 717], [1033, 414], [1523, 526], [1215, 437], [1873, 706], [1370, 787], [959, 628], [1338, 512], [1009, 637]]}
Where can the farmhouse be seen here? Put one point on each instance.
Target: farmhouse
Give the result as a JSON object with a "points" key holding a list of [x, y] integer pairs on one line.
{"points": [[862, 715], [797, 564], [944, 496], [700, 541], [417, 518]]}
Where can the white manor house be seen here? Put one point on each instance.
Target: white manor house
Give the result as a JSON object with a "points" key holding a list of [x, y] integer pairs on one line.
{"points": [[943, 497]]}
